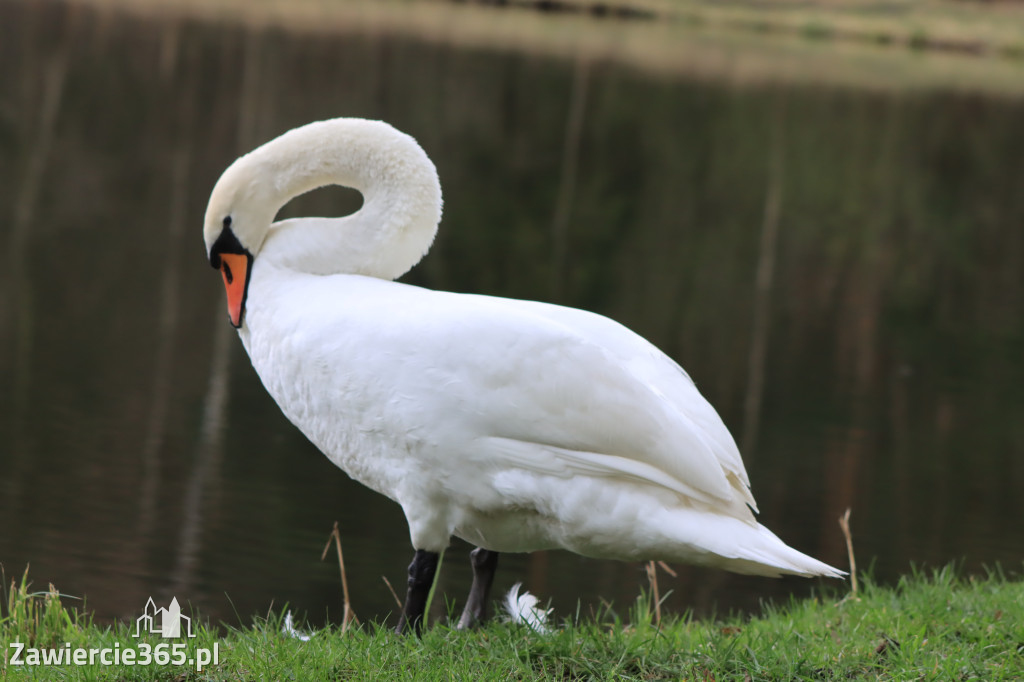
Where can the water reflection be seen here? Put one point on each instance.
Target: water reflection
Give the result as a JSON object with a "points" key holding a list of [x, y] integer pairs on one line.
{"points": [[840, 271]]}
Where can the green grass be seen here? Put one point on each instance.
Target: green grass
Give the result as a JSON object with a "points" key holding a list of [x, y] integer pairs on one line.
{"points": [[930, 626]]}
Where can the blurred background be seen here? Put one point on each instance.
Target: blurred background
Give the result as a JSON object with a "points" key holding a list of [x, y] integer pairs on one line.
{"points": [[817, 208]]}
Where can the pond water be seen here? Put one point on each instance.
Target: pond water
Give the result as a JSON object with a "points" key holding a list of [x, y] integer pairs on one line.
{"points": [[840, 270]]}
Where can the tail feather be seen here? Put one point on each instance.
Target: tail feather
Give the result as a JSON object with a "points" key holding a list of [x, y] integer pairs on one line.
{"points": [[743, 547]]}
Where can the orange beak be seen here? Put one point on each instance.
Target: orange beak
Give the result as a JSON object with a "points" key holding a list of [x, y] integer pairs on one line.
{"points": [[235, 268]]}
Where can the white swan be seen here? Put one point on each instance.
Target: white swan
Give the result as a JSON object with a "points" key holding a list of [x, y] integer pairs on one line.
{"points": [[514, 425]]}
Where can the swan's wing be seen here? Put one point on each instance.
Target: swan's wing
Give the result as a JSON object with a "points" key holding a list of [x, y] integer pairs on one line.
{"points": [[563, 393], [508, 383], [659, 373]]}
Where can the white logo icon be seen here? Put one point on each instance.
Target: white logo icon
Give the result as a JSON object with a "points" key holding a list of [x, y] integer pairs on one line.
{"points": [[164, 622]]}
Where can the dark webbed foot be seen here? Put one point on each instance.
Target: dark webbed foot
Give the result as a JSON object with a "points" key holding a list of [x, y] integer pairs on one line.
{"points": [[421, 577], [484, 563]]}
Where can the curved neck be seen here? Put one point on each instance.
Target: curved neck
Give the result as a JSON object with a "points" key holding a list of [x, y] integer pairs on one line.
{"points": [[401, 198]]}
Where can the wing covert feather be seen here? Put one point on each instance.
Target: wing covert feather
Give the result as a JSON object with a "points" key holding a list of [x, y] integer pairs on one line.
{"points": [[595, 411]]}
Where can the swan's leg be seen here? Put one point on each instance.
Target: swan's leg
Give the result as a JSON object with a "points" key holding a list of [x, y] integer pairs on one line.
{"points": [[421, 577], [484, 563]]}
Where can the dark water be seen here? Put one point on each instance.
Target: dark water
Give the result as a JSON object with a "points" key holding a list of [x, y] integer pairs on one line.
{"points": [[842, 273]]}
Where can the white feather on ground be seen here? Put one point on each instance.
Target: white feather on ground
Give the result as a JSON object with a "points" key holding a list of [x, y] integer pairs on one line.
{"points": [[290, 630], [522, 610]]}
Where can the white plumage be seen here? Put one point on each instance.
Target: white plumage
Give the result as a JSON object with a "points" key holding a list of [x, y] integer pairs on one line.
{"points": [[513, 424], [522, 609]]}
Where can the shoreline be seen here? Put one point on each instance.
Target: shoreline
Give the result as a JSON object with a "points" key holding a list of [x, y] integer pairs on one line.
{"points": [[686, 39]]}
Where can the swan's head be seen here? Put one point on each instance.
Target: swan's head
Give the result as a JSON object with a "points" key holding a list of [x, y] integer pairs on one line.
{"points": [[236, 224], [386, 237]]}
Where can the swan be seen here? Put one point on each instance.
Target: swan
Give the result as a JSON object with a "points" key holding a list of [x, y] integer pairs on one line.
{"points": [[515, 425]]}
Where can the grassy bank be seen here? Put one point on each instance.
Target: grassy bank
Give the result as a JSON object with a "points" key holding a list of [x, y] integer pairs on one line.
{"points": [[891, 44], [929, 626]]}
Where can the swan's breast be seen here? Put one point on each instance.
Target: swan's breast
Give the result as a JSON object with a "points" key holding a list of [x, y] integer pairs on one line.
{"points": [[313, 348]]}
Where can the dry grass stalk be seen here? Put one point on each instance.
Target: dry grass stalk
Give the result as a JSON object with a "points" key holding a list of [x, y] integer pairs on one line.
{"points": [[844, 524], [348, 615], [392, 590], [652, 577]]}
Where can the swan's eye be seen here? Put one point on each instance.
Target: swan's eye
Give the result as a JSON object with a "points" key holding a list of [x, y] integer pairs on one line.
{"points": [[226, 269], [227, 221]]}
